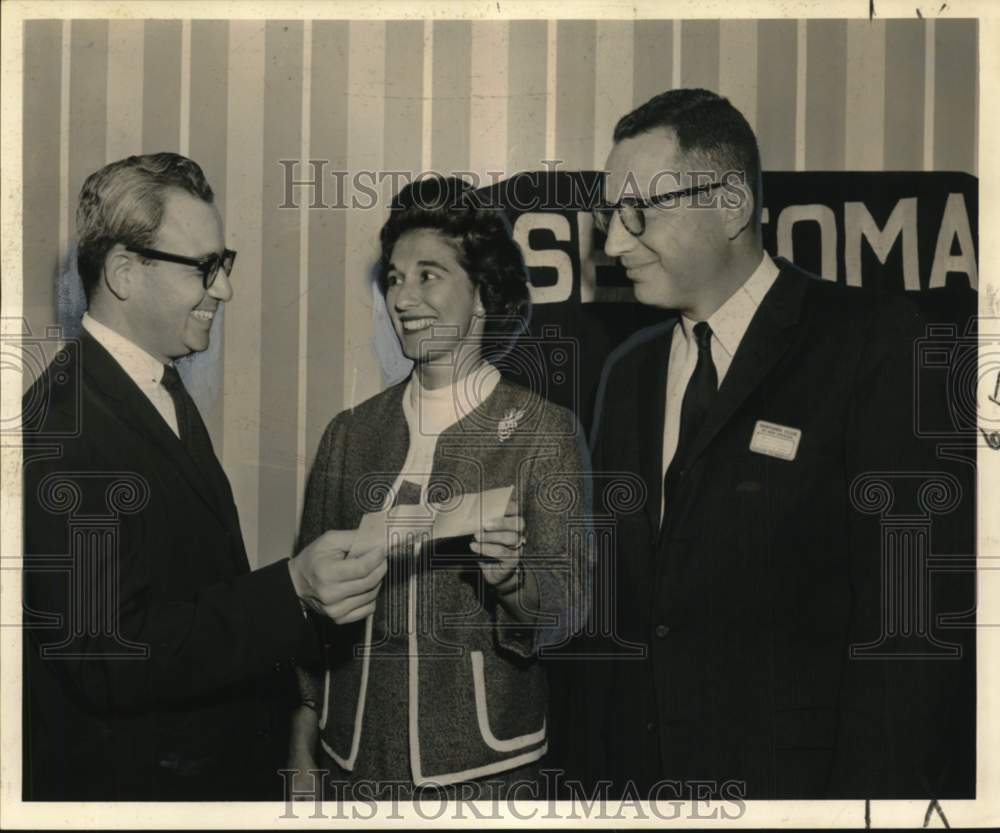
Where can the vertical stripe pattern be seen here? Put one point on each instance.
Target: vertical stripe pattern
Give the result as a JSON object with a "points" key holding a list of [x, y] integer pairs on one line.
{"points": [[305, 334], [280, 295], [42, 95], [825, 99]]}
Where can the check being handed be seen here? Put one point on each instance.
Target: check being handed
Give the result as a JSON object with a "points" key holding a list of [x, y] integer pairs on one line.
{"points": [[464, 516]]}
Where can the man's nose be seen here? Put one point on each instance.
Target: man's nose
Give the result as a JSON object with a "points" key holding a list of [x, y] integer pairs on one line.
{"points": [[221, 289], [618, 240]]}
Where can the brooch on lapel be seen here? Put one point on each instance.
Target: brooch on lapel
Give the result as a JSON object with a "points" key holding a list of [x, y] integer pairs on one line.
{"points": [[509, 423]]}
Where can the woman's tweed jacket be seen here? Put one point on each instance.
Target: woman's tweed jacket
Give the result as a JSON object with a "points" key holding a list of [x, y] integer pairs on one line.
{"points": [[477, 693]]}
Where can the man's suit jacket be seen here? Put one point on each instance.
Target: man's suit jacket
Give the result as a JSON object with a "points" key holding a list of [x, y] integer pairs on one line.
{"points": [[767, 570], [156, 664]]}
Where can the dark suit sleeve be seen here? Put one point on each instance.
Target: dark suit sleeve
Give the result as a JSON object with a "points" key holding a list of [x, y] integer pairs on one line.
{"points": [[894, 737], [324, 481], [139, 645]]}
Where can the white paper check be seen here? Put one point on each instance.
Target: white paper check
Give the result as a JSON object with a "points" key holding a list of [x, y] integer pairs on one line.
{"points": [[416, 524]]}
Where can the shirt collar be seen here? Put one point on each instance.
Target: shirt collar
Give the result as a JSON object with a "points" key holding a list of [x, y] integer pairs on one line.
{"points": [[142, 368], [730, 322]]}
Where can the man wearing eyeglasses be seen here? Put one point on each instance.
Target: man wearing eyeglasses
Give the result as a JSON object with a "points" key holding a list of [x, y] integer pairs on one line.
{"points": [[157, 664], [744, 582]]}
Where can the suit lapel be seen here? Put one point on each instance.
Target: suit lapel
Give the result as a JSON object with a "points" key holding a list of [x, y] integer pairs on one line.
{"points": [[767, 339], [651, 390], [135, 409]]}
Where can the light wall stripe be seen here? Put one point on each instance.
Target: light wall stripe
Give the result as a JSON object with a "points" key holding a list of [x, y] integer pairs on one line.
{"points": [[551, 87], [161, 86], [426, 110], [957, 76], [653, 64], [366, 115], [404, 99], [776, 93], [865, 106], [614, 79], [489, 80], [125, 62], [801, 71], [41, 140], [450, 114], [245, 153], [207, 145], [738, 66], [676, 53], [825, 95], [904, 95], [526, 112], [88, 90], [185, 97], [929, 84], [66, 63], [575, 71], [327, 238], [700, 54], [305, 155], [279, 313]]}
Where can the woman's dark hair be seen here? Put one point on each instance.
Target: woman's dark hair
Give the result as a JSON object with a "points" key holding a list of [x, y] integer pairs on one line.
{"points": [[484, 246]]}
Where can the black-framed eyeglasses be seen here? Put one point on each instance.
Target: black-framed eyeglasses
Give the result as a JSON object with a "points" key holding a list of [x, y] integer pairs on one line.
{"points": [[631, 209], [208, 266]]}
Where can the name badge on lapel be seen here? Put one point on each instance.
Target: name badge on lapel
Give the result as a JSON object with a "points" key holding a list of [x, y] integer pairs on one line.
{"points": [[775, 440]]}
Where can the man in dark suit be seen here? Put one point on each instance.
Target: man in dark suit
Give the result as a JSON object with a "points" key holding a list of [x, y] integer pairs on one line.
{"points": [[156, 663], [768, 419]]}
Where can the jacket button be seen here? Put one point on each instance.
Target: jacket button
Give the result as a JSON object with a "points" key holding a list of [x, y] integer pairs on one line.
{"points": [[650, 726], [662, 630]]}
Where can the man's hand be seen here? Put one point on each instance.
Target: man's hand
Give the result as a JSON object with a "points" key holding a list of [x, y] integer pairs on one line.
{"points": [[333, 585]]}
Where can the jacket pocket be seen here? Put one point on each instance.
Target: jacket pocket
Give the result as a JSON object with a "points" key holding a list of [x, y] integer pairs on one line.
{"points": [[511, 744]]}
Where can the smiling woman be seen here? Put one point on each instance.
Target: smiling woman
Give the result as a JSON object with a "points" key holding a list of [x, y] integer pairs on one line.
{"points": [[457, 692]]}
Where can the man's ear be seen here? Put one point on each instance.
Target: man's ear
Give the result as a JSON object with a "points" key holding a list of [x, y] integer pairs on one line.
{"points": [[118, 273], [738, 204]]}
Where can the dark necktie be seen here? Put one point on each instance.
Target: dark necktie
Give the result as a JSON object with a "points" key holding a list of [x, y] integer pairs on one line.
{"points": [[193, 433], [698, 398]]}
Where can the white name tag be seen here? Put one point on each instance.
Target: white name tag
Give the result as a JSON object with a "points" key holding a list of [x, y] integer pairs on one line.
{"points": [[775, 440]]}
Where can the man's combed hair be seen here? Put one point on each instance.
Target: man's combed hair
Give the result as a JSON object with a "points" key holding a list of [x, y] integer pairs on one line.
{"points": [[711, 133], [123, 203], [484, 246]]}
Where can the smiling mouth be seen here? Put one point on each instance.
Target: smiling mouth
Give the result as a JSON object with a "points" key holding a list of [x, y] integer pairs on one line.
{"points": [[413, 325], [204, 314]]}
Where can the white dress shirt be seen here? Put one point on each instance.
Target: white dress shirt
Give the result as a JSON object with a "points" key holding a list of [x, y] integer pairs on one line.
{"points": [[729, 324], [142, 368]]}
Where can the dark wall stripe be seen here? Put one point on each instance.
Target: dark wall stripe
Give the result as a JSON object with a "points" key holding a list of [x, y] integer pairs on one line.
{"points": [[450, 114], [327, 233], [88, 114], [777, 56], [161, 86], [404, 84], [653, 61], [279, 347], [527, 85], [207, 146], [956, 94], [826, 94], [576, 44], [40, 160], [700, 54], [904, 95]]}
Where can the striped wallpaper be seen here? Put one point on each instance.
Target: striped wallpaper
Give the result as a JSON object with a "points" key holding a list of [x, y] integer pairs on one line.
{"points": [[295, 344]]}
